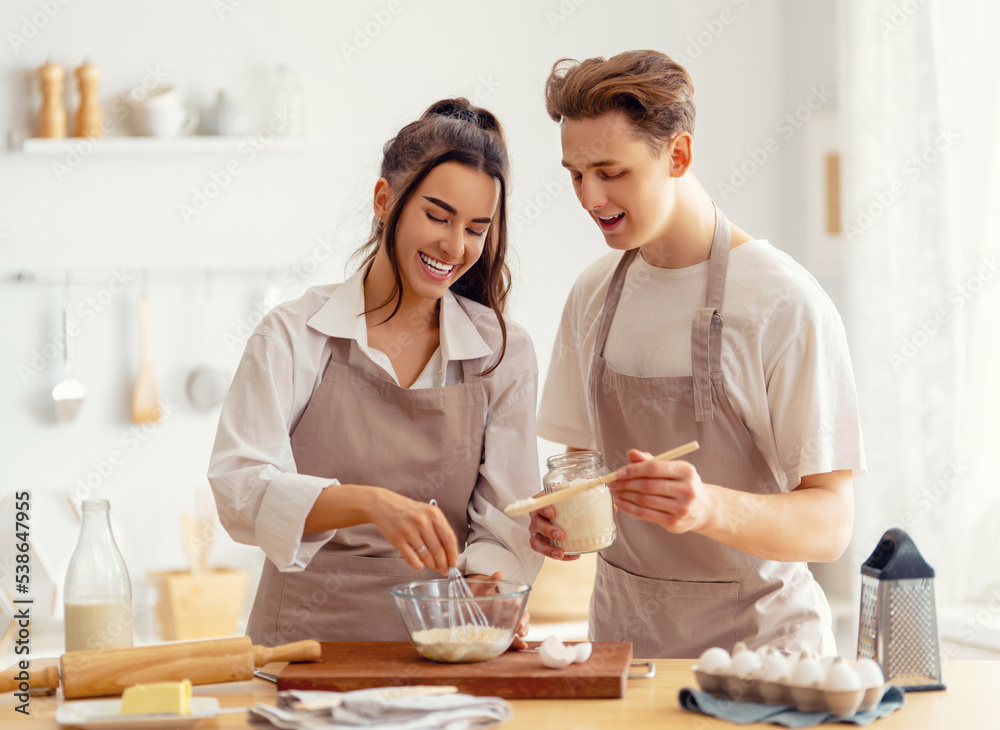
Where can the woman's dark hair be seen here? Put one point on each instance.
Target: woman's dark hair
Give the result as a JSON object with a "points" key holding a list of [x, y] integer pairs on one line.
{"points": [[451, 130]]}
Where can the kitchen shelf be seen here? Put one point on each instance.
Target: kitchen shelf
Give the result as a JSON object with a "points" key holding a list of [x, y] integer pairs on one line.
{"points": [[199, 144]]}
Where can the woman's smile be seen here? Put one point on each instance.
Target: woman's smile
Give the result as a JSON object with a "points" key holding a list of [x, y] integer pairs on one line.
{"points": [[435, 268]]}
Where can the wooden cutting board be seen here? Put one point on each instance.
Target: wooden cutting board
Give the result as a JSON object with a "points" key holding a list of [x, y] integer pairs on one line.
{"points": [[349, 665]]}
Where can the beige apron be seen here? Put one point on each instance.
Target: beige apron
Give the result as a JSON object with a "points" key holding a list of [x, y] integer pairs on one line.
{"points": [[361, 428], [676, 595]]}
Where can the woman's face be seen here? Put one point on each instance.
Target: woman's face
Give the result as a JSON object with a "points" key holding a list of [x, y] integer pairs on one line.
{"points": [[443, 227]]}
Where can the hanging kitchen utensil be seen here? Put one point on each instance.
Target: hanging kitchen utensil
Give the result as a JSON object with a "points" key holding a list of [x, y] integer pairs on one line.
{"points": [[70, 392], [145, 399], [898, 624], [207, 385]]}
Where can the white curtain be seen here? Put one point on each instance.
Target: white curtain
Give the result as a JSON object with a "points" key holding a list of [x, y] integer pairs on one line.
{"points": [[920, 125]]}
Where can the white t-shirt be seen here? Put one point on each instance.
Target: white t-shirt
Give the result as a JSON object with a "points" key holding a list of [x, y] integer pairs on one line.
{"points": [[784, 355]]}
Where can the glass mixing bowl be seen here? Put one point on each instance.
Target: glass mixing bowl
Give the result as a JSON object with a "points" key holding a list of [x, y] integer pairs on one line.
{"points": [[445, 628]]}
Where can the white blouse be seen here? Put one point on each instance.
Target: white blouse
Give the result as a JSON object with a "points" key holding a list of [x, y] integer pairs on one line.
{"points": [[263, 500]]}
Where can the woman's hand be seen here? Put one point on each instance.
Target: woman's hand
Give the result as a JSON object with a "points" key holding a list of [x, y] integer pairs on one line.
{"points": [[542, 530], [666, 493], [418, 530], [485, 585]]}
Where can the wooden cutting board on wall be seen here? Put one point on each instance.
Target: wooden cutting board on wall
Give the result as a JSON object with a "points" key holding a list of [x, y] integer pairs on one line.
{"points": [[350, 665]]}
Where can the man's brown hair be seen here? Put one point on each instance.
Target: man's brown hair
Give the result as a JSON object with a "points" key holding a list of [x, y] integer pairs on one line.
{"points": [[651, 89]]}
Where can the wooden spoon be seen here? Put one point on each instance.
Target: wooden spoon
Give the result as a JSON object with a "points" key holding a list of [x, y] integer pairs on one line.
{"points": [[534, 503], [145, 399]]}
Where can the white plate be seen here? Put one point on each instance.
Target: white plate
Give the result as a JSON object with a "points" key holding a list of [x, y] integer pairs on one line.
{"points": [[106, 714]]}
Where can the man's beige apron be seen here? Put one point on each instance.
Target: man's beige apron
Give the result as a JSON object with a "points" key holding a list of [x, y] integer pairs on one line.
{"points": [[676, 595], [360, 428]]}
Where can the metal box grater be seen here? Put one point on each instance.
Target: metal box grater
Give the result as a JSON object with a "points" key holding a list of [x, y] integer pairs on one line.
{"points": [[898, 624]]}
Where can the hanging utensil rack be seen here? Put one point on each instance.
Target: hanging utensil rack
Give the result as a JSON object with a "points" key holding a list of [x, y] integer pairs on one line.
{"points": [[160, 275]]}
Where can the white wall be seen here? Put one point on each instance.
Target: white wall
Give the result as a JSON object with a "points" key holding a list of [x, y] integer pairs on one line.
{"points": [[752, 61]]}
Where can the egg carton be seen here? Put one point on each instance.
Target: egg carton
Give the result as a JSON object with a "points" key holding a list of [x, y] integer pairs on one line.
{"points": [[832, 684]]}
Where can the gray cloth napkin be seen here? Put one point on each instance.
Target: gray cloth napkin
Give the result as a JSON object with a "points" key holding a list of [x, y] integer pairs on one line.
{"points": [[383, 708], [745, 713]]}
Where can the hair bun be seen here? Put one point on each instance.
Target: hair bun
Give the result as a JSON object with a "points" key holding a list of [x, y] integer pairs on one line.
{"points": [[462, 109]]}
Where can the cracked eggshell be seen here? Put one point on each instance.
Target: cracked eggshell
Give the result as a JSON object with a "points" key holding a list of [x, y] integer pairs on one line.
{"points": [[556, 655], [583, 651]]}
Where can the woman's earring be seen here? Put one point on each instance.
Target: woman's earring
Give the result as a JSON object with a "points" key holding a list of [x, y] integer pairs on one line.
{"points": [[381, 223]]}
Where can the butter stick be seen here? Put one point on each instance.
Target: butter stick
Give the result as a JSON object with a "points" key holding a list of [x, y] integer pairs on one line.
{"points": [[158, 698]]}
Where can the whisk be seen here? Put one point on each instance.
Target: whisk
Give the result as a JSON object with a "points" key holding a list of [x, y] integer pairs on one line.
{"points": [[464, 611]]}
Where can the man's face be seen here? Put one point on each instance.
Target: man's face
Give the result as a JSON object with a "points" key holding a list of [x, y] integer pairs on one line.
{"points": [[627, 190]]}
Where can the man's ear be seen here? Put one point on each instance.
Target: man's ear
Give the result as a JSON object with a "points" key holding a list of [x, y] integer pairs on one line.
{"points": [[681, 152], [383, 194]]}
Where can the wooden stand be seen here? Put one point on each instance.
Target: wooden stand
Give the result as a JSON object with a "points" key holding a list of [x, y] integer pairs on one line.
{"points": [[199, 606]]}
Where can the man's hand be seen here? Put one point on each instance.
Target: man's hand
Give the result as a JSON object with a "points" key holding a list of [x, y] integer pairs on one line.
{"points": [[667, 493]]}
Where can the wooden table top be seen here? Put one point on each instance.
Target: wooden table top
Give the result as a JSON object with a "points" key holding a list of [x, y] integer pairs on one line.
{"points": [[970, 702]]}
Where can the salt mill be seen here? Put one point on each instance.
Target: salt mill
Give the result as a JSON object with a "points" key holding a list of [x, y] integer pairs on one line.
{"points": [[88, 116], [51, 120]]}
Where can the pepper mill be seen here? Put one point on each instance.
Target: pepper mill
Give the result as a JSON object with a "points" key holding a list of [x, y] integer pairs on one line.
{"points": [[88, 116], [51, 120]]}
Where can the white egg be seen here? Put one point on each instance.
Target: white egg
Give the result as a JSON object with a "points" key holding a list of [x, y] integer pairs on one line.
{"points": [[842, 678], [583, 652], [869, 672], [809, 673], [556, 655], [793, 661], [745, 664], [714, 661], [739, 646], [776, 668]]}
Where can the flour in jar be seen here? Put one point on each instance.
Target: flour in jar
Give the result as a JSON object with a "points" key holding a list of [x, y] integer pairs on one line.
{"points": [[462, 644], [587, 520]]}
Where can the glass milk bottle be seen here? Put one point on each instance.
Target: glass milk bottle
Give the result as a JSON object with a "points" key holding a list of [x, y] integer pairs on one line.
{"points": [[588, 519], [98, 594]]}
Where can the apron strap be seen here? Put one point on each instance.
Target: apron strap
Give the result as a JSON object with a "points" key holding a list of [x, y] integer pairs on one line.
{"points": [[706, 340], [611, 299], [706, 327]]}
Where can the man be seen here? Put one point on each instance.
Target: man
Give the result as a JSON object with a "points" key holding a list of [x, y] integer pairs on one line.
{"points": [[694, 330]]}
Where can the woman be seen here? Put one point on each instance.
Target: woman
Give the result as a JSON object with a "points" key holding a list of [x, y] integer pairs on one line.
{"points": [[359, 403]]}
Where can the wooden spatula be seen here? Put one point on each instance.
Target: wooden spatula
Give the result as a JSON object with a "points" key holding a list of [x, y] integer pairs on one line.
{"points": [[530, 505], [145, 399]]}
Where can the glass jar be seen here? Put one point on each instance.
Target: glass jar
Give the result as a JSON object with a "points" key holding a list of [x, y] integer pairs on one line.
{"points": [[98, 593], [588, 519]]}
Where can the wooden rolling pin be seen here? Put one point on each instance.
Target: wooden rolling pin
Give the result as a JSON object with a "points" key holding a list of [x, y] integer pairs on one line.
{"points": [[110, 671]]}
